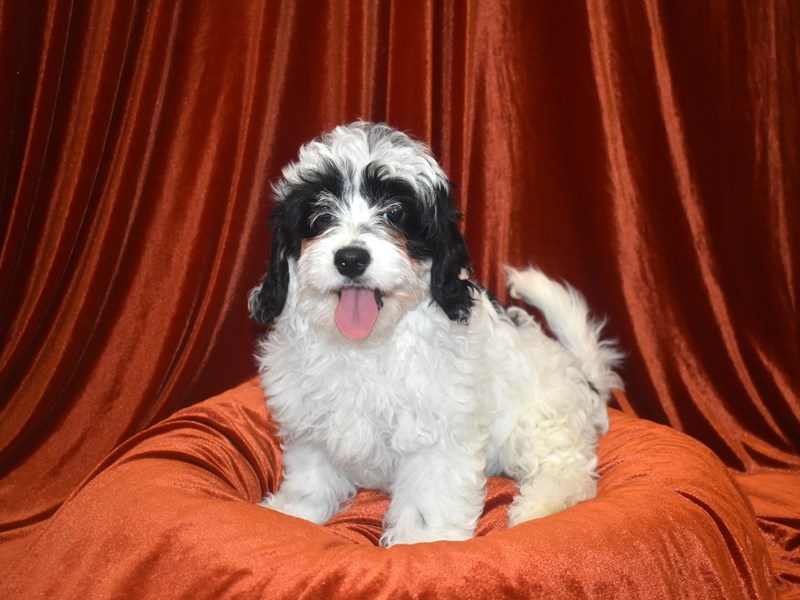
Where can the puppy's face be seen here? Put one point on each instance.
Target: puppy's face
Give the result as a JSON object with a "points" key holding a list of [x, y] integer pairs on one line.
{"points": [[363, 230]]}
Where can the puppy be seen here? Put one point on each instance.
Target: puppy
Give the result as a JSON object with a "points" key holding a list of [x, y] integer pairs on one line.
{"points": [[386, 367]]}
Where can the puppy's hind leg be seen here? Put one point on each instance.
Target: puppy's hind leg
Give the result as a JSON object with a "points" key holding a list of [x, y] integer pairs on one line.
{"points": [[554, 470], [312, 488]]}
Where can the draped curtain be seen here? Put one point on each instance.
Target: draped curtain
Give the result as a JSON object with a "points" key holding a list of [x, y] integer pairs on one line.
{"points": [[646, 152]]}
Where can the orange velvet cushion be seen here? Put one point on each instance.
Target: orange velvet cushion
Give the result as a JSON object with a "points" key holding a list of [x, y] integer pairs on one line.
{"points": [[172, 514]]}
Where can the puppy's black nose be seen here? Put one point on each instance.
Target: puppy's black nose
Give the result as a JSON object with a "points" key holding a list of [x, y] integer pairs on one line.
{"points": [[351, 261]]}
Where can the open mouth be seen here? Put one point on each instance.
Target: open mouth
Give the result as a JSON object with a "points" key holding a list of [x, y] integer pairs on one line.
{"points": [[357, 311]]}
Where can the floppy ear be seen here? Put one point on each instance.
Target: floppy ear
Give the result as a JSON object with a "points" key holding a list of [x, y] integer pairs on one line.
{"points": [[266, 301], [450, 260]]}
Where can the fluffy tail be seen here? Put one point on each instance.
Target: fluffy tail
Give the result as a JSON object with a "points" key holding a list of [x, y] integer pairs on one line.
{"points": [[568, 317]]}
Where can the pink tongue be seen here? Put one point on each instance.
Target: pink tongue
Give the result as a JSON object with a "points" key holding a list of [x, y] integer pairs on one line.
{"points": [[356, 312]]}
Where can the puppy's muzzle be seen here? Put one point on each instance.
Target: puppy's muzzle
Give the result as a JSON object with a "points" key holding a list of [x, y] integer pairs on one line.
{"points": [[357, 307], [351, 261]]}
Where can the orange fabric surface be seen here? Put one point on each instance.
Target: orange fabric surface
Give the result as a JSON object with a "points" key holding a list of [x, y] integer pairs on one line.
{"points": [[775, 496], [171, 514]]}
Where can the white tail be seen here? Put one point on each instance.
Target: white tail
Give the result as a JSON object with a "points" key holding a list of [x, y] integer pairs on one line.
{"points": [[568, 317]]}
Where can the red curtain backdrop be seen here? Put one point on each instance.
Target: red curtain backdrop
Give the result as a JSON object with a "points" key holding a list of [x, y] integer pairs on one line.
{"points": [[647, 152]]}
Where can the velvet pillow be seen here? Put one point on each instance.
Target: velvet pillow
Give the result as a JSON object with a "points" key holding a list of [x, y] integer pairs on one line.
{"points": [[172, 514]]}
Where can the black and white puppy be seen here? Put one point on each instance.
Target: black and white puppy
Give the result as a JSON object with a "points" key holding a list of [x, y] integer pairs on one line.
{"points": [[387, 368]]}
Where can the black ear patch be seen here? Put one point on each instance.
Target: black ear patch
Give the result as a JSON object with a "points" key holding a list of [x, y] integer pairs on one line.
{"points": [[266, 301], [290, 224], [449, 260]]}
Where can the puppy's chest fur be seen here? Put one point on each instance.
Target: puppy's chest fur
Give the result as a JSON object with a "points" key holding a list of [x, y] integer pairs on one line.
{"points": [[368, 403]]}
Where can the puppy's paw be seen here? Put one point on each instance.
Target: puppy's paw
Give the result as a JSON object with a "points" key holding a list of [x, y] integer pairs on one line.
{"points": [[304, 507], [546, 496], [522, 510], [397, 535]]}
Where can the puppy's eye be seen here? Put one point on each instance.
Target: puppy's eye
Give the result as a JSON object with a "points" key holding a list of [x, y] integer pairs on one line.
{"points": [[320, 222], [394, 214]]}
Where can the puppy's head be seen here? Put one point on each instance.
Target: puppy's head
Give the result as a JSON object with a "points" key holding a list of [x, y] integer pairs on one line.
{"points": [[364, 228]]}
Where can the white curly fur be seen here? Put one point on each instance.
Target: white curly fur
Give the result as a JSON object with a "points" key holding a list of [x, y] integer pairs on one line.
{"points": [[425, 408]]}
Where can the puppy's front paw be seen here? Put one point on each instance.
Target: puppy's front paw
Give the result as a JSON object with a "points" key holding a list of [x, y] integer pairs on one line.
{"points": [[413, 535], [304, 507], [546, 496]]}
